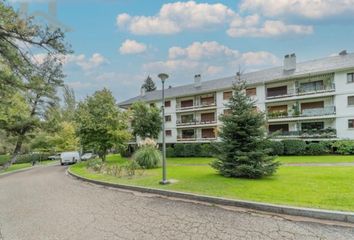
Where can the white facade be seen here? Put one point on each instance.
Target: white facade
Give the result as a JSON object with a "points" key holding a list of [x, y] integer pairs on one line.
{"points": [[312, 107]]}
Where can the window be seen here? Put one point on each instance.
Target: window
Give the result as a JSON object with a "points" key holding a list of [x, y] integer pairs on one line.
{"points": [[227, 95], [311, 86], [312, 126], [277, 91], [350, 100], [350, 77], [168, 118], [251, 91], [187, 118], [168, 133], [167, 103], [207, 117], [187, 103], [278, 127], [208, 133], [351, 123]]}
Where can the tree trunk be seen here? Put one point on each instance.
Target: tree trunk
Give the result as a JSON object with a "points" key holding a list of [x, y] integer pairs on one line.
{"points": [[16, 151]]}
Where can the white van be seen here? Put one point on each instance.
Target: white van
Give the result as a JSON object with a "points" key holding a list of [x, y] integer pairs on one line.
{"points": [[69, 157]]}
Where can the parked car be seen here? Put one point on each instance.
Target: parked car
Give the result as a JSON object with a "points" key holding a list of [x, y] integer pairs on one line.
{"points": [[69, 157], [54, 157], [88, 156]]}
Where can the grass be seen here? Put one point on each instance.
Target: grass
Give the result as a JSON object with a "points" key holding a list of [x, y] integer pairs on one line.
{"points": [[317, 187], [316, 159]]}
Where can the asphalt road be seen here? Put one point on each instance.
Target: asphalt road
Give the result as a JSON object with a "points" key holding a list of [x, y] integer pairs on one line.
{"points": [[45, 203]]}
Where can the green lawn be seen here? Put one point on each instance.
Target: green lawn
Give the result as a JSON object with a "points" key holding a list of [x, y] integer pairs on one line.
{"points": [[15, 167], [316, 159], [318, 187]]}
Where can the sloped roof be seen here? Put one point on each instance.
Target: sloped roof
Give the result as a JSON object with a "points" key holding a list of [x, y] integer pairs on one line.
{"points": [[318, 66]]}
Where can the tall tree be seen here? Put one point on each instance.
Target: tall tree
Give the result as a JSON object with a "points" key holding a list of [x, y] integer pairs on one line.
{"points": [[69, 100], [149, 85], [40, 95], [146, 121], [242, 139], [100, 124]]}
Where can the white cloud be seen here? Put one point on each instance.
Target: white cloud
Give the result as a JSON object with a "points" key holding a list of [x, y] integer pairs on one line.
{"points": [[132, 47], [314, 9], [209, 59], [176, 17], [80, 60], [270, 29]]}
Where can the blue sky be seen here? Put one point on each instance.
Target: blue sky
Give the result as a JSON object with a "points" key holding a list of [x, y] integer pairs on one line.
{"points": [[117, 43]]}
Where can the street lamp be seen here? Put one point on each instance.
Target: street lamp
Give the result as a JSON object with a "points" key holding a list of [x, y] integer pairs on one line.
{"points": [[163, 77]]}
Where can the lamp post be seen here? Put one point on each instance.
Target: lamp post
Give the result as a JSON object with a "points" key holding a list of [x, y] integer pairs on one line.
{"points": [[163, 77]]}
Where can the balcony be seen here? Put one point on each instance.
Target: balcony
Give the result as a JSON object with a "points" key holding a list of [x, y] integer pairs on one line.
{"points": [[306, 113], [195, 122], [311, 133], [300, 91], [196, 107], [195, 139]]}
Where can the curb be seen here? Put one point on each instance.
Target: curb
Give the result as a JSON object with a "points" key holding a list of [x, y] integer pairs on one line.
{"points": [[26, 169], [341, 216]]}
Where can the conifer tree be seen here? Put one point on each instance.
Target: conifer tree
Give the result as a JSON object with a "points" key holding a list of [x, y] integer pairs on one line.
{"points": [[149, 85], [242, 154]]}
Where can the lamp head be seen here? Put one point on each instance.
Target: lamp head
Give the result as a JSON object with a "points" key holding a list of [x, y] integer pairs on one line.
{"points": [[163, 76]]}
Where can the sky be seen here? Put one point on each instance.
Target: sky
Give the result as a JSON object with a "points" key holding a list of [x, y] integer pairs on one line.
{"points": [[118, 43]]}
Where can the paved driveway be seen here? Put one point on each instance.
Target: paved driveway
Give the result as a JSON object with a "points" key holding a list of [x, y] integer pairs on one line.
{"points": [[45, 203]]}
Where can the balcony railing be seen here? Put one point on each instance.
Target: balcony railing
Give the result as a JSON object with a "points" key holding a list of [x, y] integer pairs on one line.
{"points": [[181, 138], [303, 91], [194, 122], [196, 106], [329, 110], [311, 133]]}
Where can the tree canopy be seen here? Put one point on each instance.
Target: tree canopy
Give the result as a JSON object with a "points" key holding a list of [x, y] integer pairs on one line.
{"points": [[149, 85], [100, 124], [146, 120]]}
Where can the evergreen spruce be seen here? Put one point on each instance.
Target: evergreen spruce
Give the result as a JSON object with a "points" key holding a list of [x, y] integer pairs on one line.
{"points": [[149, 85], [242, 154]]}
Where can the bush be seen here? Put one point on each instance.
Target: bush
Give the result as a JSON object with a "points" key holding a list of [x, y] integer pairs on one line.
{"points": [[197, 150], [344, 147], [294, 147], [276, 147], [170, 152], [316, 149], [207, 150], [189, 150], [179, 150], [34, 157], [148, 157]]}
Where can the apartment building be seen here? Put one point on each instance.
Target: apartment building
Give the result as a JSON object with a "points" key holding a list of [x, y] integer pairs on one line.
{"points": [[312, 100]]}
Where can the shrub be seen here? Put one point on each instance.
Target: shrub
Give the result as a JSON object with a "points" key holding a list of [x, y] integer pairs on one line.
{"points": [[207, 150], [34, 157], [148, 157], [197, 150], [189, 150], [170, 152], [276, 147], [316, 149], [294, 147], [344, 147], [179, 150]]}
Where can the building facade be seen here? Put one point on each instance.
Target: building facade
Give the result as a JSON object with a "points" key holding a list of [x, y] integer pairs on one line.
{"points": [[312, 100]]}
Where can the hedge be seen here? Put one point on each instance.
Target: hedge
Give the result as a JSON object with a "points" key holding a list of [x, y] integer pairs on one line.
{"points": [[316, 149], [34, 157], [276, 147], [344, 147], [294, 147]]}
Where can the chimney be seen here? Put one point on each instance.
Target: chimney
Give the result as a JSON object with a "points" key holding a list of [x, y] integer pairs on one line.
{"points": [[289, 62], [197, 80], [142, 91], [343, 53]]}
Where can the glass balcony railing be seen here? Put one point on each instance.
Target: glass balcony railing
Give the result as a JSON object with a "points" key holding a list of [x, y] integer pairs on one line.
{"points": [[195, 106], [310, 133], [194, 122], [290, 92], [314, 112]]}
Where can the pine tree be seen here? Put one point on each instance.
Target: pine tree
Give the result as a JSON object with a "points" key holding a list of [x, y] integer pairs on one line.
{"points": [[149, 85], [241, 150]]}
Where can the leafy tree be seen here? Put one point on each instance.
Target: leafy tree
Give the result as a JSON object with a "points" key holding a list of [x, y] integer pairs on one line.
{"points": [[31, 106], [241, 151], [100, 124], [65, 139], [149, 85], [17, 36], [68, 110], [146, 121]]}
